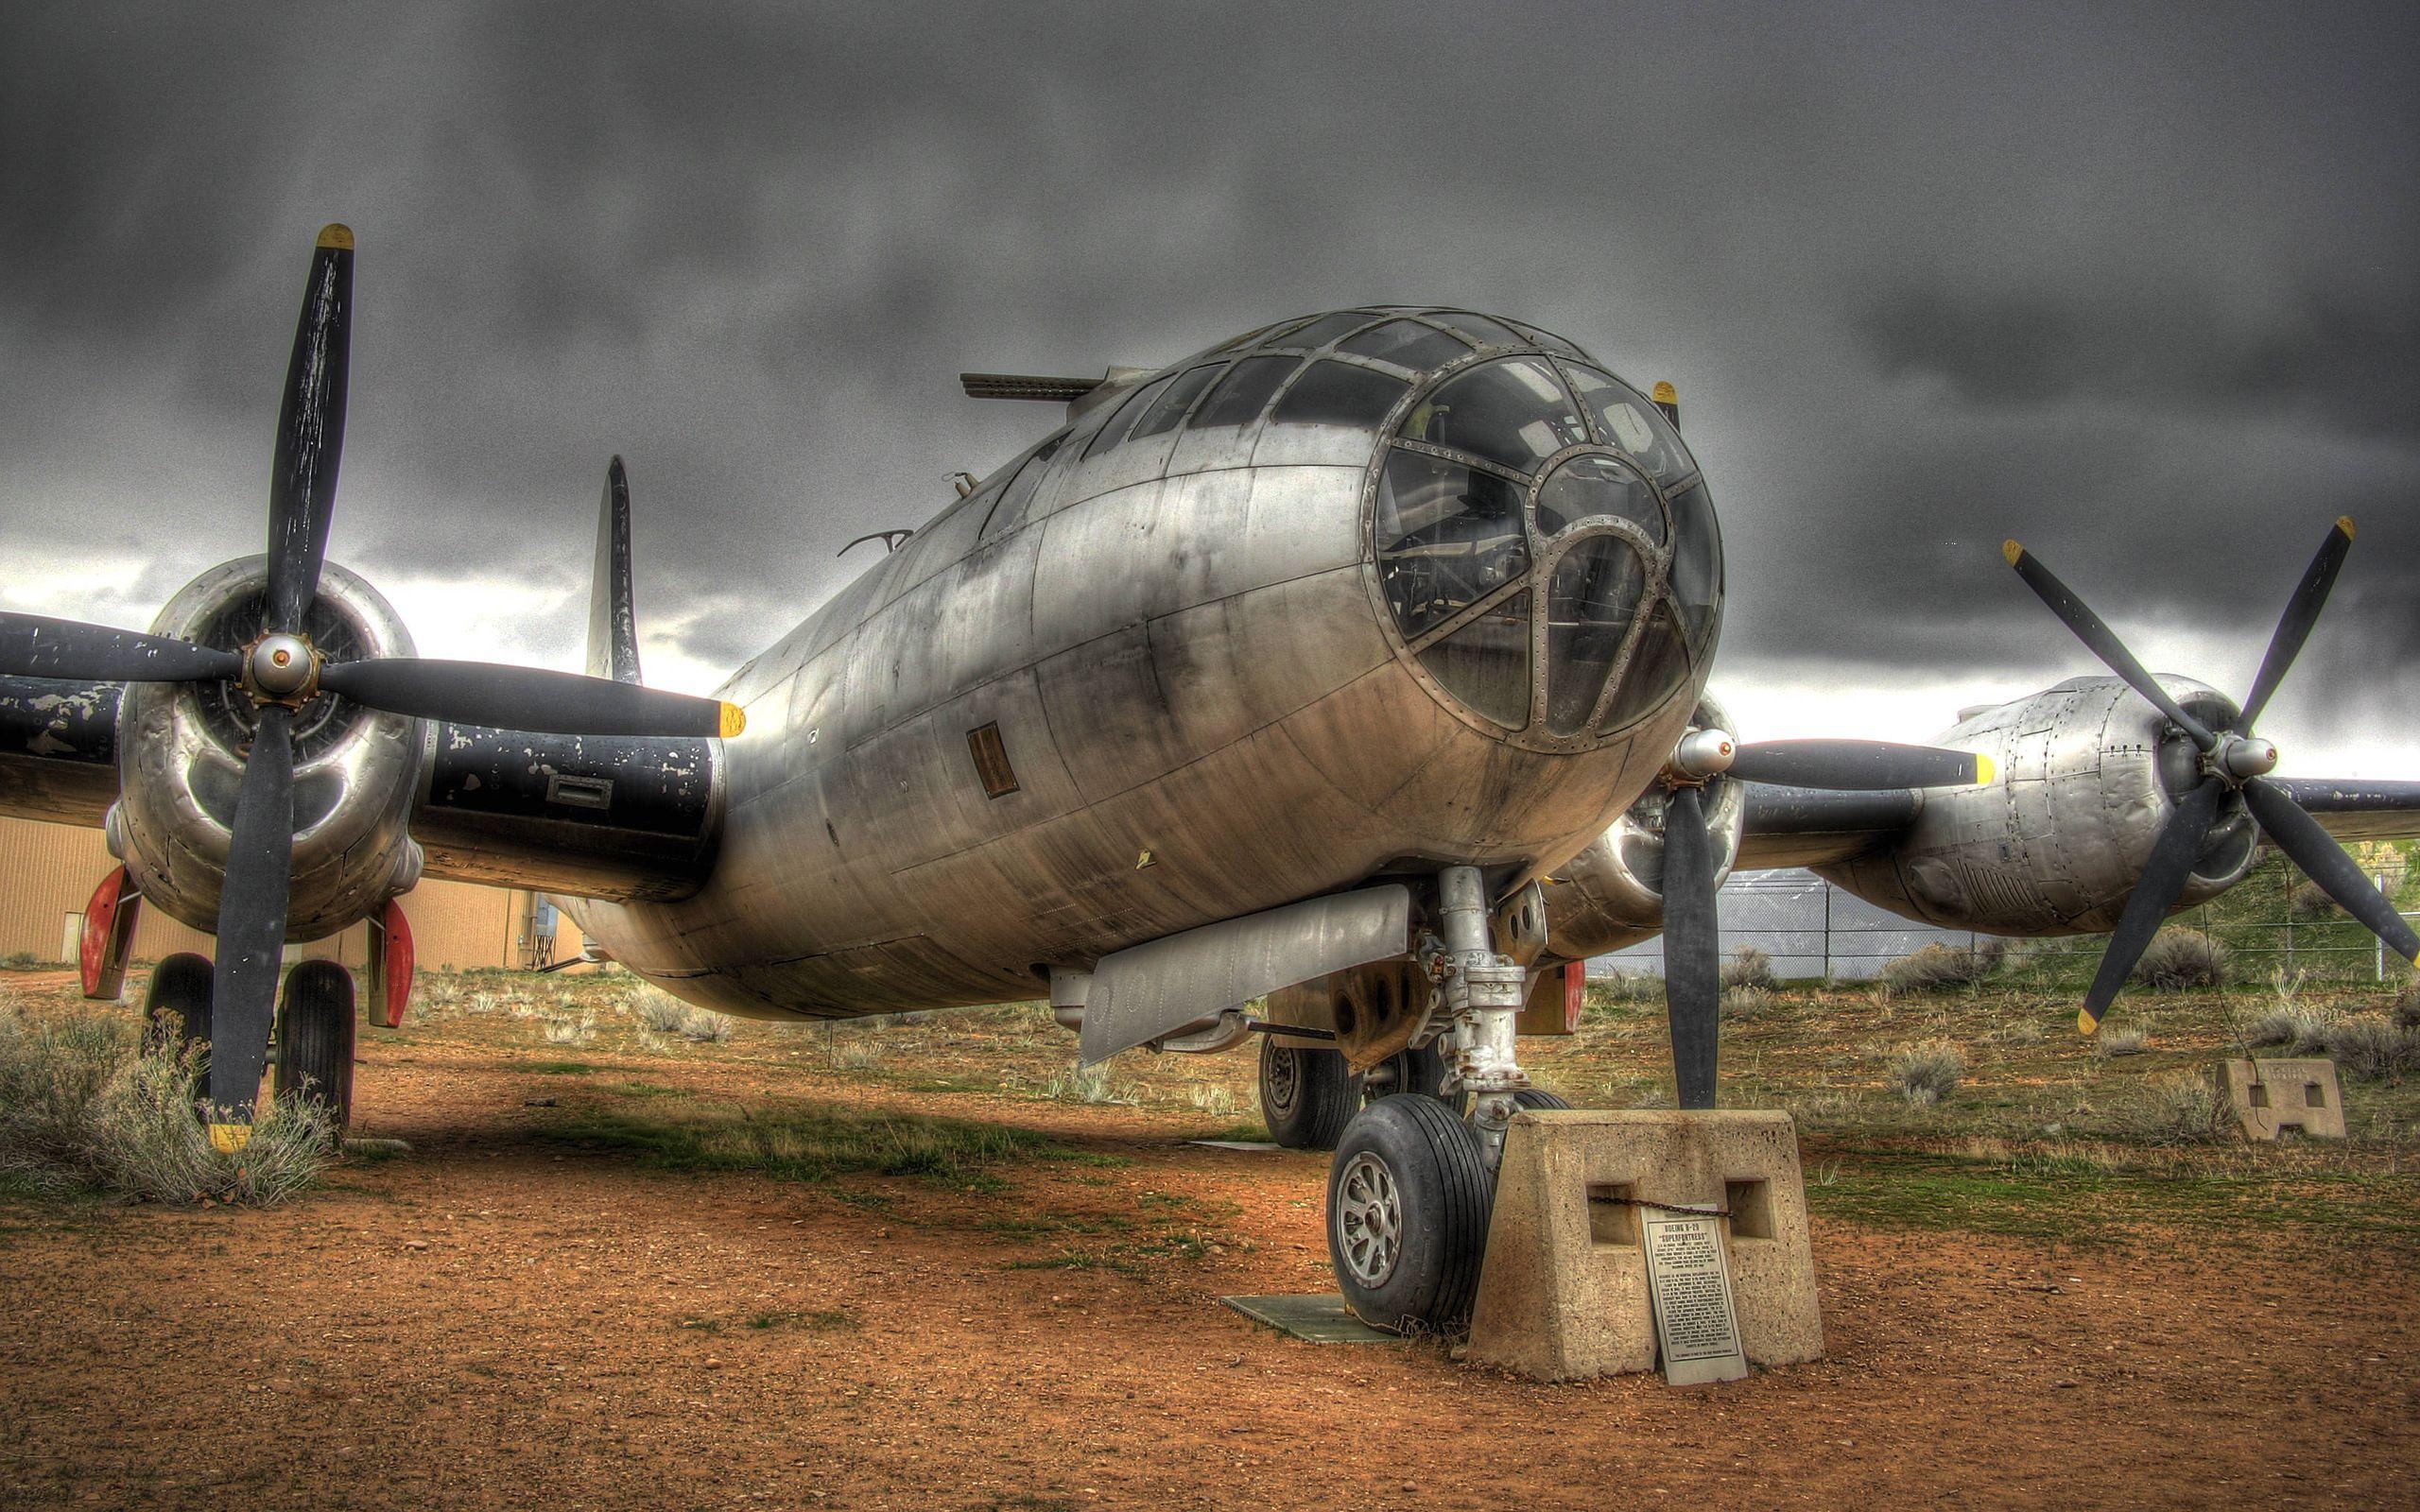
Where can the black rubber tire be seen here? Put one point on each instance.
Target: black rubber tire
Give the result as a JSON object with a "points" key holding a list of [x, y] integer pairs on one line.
{"points": [[1421, 1070], [314, 1026], [1444, 1196], [176, 1007], [1532, 1098], [1306, 1096]]}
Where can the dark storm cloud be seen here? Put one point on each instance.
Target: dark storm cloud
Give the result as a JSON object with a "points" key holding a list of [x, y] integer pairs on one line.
{"points": [[2135, 284]]}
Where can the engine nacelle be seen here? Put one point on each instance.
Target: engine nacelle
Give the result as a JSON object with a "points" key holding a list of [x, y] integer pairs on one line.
{"points": [[1611, 895], [2086, 776], [355, 769]]}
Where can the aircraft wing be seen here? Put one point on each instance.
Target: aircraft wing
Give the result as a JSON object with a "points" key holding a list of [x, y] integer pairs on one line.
{"points": [[1808, 827], [58, 750]]}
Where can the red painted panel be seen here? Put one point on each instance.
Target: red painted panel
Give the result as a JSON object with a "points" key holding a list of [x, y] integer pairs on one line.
{"points": [[398, 931], [108, 928], [1575, 993]]}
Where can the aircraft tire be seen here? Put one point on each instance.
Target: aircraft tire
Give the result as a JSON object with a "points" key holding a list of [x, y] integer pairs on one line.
{"points": [[1408, 1198], [1306, 1096], [1533, 1098], [1421, 1070], [315, 1028], [176, 1007]]}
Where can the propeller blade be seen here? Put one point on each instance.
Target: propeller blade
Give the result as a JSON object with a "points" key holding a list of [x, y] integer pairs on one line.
{"points": [[251, 926], [564, 703], [2325, 862], [32, 646], [2293, 626], [1692, 949], [2101, 640], [2155, 892], [310, 434], [1857, 765]]}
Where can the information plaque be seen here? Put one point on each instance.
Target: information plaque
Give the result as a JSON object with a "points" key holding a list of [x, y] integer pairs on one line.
{"points": [[1688, 1284]]}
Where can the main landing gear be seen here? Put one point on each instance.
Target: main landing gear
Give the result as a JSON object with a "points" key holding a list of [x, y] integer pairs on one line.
{"points": [[1309, 1095], [1413, 1183], [314, 1026]]}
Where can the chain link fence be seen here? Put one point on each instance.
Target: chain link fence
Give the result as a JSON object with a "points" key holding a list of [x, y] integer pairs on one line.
{"points": [[2274, 920]]}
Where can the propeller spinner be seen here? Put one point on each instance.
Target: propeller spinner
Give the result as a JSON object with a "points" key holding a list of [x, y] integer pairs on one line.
{"points": [[283, 671]]}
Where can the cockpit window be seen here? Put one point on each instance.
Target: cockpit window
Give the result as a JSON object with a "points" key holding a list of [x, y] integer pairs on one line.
{"points": [[1589, 488], [1537, 597], [1656, 667], [1339, 393], [1008, 510], [1164, 415], [1628, 422], [1696, 563], [1486, 662], [1483, 331], [1115, 432], [1448, 535], [1408, 344], [1328, 327], [1240, 394], [1513, 413], [1591, 600]]}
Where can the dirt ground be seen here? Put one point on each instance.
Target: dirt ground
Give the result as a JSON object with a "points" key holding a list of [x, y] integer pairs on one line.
{"points": [[503, 1318]]}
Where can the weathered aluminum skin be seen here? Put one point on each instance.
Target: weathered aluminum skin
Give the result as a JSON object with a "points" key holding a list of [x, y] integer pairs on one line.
{"points": [[1208, 712], [178, 778], [2088, 773]]}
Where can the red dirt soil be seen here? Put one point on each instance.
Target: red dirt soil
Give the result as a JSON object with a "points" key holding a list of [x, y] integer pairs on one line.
{"points": [[502, 1320]]}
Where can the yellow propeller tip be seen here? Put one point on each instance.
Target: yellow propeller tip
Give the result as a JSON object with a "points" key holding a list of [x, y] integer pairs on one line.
{"points": [[336, 233], [2085, 1022], [1666, 393], [230, 1139], [2345, 523], [1984, 771], [735, 719], [2011, 550]]}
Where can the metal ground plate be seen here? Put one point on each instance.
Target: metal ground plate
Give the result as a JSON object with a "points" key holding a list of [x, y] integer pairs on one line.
{"points": [[1319, 1319]]}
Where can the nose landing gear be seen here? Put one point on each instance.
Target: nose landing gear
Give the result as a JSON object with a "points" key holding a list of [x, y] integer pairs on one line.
{"points": [[1413, 1184], [314, 1026]]}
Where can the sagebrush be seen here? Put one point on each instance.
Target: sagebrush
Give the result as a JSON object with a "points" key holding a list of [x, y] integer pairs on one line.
{"points": [[84, 1107], [1938, 968], [1927, 1073], [1749, 967], [2182, 960]]}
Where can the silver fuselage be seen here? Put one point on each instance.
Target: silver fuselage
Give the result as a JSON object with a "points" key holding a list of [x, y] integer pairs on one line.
{"points": [[1203, 702]]}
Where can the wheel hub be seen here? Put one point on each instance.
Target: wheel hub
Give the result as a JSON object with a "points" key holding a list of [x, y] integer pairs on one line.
{"points": [[1369, 1220], [1285, 1079]]}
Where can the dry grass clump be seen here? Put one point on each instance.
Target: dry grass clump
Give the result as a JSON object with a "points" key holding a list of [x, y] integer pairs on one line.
{"points": [[2183, 1107], [1927, 1073], [82, 1106], [1625, 987], [2288, 1027], [1094, 1086], [2111, 1043], [657, 1009], [2369, 1046], [2182, 960], [1749, 967], [2310, 901], [2406, 1011], [706, 1028], [1748, 1002], [1940, 967]]}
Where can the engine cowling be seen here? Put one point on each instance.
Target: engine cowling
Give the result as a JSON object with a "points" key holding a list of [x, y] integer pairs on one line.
{"points": [[355, 770], [1611, 895], [2086, 776]]}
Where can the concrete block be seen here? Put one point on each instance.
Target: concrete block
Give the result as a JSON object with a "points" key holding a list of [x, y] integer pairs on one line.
{"points": [[1563, 1293], [2272, 1097]]}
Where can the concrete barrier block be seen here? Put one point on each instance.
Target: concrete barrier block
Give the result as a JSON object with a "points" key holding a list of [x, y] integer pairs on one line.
{"points": [[2272, 1097], [1563, 1293]]}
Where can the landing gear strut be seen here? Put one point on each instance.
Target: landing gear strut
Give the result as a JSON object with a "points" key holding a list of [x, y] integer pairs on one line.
{"points": [[1413, 1185]]}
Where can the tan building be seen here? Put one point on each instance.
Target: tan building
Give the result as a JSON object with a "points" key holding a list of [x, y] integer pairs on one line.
{"points": [[48, 871]]}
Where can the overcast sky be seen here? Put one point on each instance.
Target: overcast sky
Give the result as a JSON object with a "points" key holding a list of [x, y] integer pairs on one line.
{"points": [[2138, 287]]}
